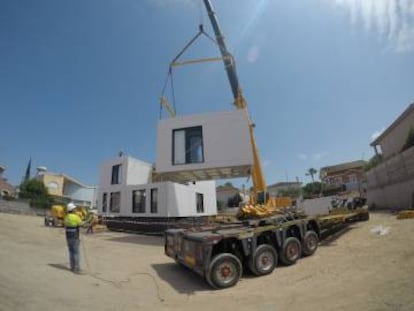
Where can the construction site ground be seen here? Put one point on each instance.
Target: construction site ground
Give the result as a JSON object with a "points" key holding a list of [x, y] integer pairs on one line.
{"points": [[368, 266]]}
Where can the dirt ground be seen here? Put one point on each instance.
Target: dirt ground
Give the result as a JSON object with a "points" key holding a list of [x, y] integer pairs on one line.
{"points": [[358, 270]]}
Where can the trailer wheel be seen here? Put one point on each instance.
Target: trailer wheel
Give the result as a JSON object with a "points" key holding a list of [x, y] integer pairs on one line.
{"points": [[263, 261], [364, 217], [225, 271], [291, 251], [310, 243]]}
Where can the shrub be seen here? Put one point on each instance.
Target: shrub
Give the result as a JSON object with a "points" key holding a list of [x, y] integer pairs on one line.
{"points": [[409, 142], [36, 192], [373, 162]]}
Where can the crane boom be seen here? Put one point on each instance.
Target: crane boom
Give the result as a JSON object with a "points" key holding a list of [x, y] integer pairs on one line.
{"points": [[228, 60], [259, 183]]}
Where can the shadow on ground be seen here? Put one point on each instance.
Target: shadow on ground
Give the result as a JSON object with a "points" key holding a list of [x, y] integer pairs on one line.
{"points": [[180, 278], [329, 238], [138, 239], [59, 266]]}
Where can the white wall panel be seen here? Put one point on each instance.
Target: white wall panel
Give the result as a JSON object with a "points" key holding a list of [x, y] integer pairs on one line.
{"points": [[133, 171], [139, 172]]}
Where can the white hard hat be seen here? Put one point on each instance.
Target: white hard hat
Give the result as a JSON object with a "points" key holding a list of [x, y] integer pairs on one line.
{"points": [[70, 207]]}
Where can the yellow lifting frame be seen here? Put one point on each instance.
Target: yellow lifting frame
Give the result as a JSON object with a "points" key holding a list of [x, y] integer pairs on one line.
{"points": [[164, 102], [196, 61]]}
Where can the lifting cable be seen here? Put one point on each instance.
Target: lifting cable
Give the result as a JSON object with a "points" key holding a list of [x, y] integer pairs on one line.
{"points": [[175, 63], [163, 98]]}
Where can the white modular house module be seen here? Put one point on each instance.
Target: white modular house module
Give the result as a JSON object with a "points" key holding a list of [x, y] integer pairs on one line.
{"points": [[129, 200], [204, 147], [124, 170], [163, 199]]}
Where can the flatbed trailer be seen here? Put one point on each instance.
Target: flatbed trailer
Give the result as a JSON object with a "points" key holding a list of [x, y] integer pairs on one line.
{"points": [[221, 253]]}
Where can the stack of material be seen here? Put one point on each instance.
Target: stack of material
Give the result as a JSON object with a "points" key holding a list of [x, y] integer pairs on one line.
{"points": [[405, 214]]}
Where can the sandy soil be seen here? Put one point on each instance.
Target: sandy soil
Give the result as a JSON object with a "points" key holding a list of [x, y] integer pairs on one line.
{"points": [[359, 270]]}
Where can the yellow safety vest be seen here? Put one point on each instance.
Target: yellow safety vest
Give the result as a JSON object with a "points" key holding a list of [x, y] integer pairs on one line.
{"points": [[72, 220]]}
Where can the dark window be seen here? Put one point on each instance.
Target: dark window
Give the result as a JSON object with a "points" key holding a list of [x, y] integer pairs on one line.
{"points": [[115, 202], [104, 202], [138, 201], [200, 202], [188, 146], [116, 174], [154, 200]]}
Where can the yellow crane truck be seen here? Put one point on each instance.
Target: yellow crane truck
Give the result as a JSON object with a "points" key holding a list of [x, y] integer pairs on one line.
{"points": [[56, 215]]}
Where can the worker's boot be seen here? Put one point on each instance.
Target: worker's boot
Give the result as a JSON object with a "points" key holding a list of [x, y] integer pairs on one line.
{"points": [[77, 271]]}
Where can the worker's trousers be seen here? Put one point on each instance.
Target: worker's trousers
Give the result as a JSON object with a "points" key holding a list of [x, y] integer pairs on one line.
{"points": [[73, 245]]}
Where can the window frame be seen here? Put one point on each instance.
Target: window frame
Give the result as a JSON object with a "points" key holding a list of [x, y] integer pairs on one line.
{"points": [[141, 207], [353, 178], [187, 152], [116, 174], [199, 209], [104, 202], [154, 210], [111, 202]]}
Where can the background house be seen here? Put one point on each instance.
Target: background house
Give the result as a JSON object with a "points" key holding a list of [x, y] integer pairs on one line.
{"points": [[6, 189], [68, 188], [284, 188], [227, 192], [391, 141], [390, 184], [343, 176]]}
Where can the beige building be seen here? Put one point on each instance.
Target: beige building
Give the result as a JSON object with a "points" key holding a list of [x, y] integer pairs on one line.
{"points": [[391, 183], [226, 192], [6, 189], [66, 187], [344, 176], [276, 189], [391, 141]]}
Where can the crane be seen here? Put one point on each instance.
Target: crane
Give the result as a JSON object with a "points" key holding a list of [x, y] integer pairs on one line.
{"points": [[260, 205], [258, 179]]}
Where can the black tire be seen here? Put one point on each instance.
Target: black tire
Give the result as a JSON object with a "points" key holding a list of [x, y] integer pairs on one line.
{"points": [[310, 243], [54, 222], [263, 261], [291, 251], [364, 216], [46, 222], [225, 271]]}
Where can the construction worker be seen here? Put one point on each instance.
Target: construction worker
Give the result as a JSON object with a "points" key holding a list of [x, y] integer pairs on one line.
{"points": [[90, 221], [72, 223]]}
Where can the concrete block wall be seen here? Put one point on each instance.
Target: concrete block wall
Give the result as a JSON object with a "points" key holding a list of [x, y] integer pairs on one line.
{"points": [[391, 184], [19, 207]]}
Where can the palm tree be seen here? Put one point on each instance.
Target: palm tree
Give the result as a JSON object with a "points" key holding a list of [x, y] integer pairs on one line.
{"points": [[311, 172]]}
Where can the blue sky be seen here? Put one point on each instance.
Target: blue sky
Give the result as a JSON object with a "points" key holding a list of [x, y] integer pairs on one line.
{"points": [[80, 80]]}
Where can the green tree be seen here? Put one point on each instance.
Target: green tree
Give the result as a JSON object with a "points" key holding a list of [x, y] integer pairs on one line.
{"points": [[409, 142], [373, 162], [220, 205], [311, 172], [36, 192], [312, 189]]}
